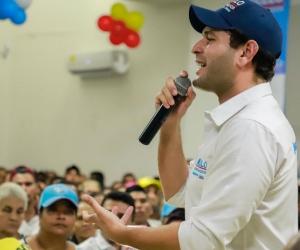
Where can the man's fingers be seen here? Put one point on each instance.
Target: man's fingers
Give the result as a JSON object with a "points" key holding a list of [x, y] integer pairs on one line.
{"points": [[92, 202], [127, 215], [115, 210], [89, 218], [184, 74]]}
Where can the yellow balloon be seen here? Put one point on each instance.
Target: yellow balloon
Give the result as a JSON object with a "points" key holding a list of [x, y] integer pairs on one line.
{"points": [[134, 20], [118, 11]]}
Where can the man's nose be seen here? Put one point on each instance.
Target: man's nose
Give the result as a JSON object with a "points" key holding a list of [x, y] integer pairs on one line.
{"points": [[198, 47]]}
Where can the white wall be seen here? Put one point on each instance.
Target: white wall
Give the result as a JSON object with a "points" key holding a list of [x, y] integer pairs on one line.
{"points": [[293, 75], [51, 119]]}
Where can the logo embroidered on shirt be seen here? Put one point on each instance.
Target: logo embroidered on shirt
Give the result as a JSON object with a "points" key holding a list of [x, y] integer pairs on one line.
{"points": [[295, 147], [200, 169]]}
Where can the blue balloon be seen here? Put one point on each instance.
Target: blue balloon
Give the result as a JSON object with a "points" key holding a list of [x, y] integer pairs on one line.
{"points": [[19, 17], [2, 12], [8, 8], [2, 16]]}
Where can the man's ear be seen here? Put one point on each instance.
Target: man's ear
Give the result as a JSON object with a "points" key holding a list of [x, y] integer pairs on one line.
{"points": [[247, 52]]}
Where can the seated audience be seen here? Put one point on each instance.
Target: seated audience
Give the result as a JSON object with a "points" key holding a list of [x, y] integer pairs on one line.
{"points": [[25, 177], [72, 173], [128, 177], [57, 214], [165, 211], [143, 209], [13, 204], [98, 197], [51, 175], [153, 189], [177, 215], [89, 187], [82, 230], [116, 185], [98, 176], [3, 174], [101, 242], [70, 184]]}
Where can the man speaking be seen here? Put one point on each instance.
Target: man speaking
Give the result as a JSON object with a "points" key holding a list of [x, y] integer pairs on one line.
{"points": [[240, 192]]}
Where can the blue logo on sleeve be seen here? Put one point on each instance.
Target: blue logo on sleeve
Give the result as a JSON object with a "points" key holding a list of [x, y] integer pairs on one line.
{"points": [[295, 147], [200, 169]]}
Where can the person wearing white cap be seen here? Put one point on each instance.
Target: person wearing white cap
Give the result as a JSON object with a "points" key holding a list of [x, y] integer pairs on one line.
{"points": [[57, 212], [240, 192]]}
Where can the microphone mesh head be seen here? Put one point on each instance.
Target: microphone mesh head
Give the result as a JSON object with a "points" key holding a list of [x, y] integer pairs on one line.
{"points": [[182, 85]]}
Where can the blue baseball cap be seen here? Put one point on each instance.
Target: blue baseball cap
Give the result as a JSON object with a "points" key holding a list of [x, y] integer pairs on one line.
{"points": [[56, 192], [166, 210], [254, 21]]}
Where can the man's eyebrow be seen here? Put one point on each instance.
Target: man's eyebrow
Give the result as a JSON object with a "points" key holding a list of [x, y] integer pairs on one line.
{"points": [[210, 31]]}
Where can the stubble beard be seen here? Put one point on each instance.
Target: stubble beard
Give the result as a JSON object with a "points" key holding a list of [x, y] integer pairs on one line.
{"points": [[219, 76]]}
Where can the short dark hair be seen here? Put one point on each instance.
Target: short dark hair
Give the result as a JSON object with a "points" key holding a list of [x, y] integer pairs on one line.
{"points": [[73, 167], [264, 61], [120, 196], [176, 214], [135, 188], [99, 176]]}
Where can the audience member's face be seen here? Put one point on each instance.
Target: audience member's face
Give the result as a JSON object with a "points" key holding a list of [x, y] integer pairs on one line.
{"points": [[109, 204], [72, 176], [91, 187], [128, 178], [83, 230], [73, 187], [106, 191], [143, 209], [153, 194], [116, 185], [11, 215], [2, 176], [27, 182], [59, 218], [99, 198]]}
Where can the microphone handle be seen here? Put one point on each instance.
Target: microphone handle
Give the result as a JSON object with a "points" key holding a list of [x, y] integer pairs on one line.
{"points": [[157, 121]]}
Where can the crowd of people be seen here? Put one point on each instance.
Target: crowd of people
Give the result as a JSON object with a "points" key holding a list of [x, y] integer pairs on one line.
{"points": [[240, 190], [44, 211]]}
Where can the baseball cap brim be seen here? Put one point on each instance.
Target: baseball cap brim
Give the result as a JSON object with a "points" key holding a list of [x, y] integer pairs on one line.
{"points": [[200, 18], [50, 201], [148, 181]]}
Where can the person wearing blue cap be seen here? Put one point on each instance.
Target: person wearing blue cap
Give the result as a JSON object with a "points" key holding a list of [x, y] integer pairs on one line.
{"points": [[57, 212], [240, 191]]}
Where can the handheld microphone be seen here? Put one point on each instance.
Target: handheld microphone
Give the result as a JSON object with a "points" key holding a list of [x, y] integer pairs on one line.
{"points": [[182, 84]]}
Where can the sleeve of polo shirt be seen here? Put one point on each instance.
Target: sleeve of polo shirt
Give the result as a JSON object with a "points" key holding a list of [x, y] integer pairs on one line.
{"points": [[179, 198], [236, 182]]}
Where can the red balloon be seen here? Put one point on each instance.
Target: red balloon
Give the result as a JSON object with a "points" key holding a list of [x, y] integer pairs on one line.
{"points": [[115, 39], [132, 39], [119, 28], [105, 23]]}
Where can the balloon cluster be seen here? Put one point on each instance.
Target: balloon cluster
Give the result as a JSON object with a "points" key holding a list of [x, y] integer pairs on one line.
{"points": [[14, 10], [122, 25]]}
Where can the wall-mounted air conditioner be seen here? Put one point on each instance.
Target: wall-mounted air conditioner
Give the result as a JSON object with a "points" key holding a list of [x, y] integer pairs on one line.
{"points": [[102, 63]]}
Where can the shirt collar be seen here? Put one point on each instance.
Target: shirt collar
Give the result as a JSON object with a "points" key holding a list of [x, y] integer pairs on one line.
{"points": [[229, 108]]}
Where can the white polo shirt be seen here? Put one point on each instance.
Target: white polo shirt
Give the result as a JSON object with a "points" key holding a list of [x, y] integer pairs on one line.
{"points": [[31, 227], [241, 192]]}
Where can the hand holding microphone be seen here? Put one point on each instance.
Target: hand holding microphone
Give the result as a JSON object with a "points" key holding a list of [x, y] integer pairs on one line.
{"points": [[182, 84]]}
